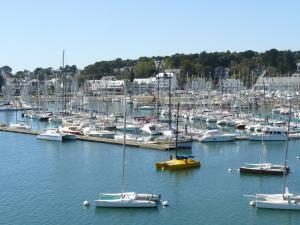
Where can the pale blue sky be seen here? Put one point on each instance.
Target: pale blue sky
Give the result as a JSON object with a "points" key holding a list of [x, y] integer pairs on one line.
{"points": [[34, 32]]}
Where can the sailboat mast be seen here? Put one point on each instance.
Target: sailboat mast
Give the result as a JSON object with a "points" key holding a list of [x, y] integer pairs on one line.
{"points": [[65, 83], [286, 151], [124, 140], [170, 121], [176, 142]]}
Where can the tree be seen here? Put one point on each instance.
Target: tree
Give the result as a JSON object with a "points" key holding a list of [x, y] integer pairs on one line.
{"points": [[6, 70], [131, 77], [2, 82], [144, 69]]}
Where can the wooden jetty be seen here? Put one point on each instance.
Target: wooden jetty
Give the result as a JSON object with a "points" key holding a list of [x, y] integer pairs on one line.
{"points": [[162, 147]]}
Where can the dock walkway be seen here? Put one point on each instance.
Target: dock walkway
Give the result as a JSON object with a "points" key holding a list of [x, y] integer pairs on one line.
{"points": [[136, 144]]}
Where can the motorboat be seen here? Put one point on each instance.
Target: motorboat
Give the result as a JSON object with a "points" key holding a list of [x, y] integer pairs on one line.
{"points": [[269, 133], [151, 129], [169, 137], [128, 200], [55, 135], [217, 136], [70, 130]]}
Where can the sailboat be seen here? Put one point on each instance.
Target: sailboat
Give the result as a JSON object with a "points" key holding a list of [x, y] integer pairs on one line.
{"points": [[284, 200], [180, 161], [264, 167], [127, 199], [268, 134]]}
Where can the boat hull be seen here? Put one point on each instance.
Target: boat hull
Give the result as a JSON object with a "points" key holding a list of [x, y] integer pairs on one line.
{"points": [[221, 138], [276, 201], [127, 200], [50, 138], [175, 164], [261, 171], [264, 168], [125, 204], [266, 138]]}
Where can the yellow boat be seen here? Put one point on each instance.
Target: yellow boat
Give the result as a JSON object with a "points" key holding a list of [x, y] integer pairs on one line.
{"points": [[178, 163]]}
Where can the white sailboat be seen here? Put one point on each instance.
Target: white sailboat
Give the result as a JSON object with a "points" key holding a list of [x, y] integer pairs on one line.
{"points": [[284, 200], [126, 199]]}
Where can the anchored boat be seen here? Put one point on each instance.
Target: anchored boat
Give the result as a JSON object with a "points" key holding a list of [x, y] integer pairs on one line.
{"points": [[126, 199], [285, 199], [179, 162], [264, 168]]}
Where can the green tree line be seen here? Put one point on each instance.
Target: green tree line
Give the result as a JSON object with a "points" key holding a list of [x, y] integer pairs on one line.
{"points": [[241, 65]]}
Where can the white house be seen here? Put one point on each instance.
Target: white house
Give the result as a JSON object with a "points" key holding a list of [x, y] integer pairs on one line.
{"points": [[231, 85], [164, 81], [199, 84], [278, 83], [143, 85], [112, 86]]}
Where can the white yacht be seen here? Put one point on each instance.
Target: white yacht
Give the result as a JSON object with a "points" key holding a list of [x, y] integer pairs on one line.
{"points": [[216, 136], [169, 136], [55, 135], [151, 129], [269, 133]]}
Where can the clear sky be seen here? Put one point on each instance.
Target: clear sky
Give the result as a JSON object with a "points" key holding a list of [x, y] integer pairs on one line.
{"points": [[34, 32]]}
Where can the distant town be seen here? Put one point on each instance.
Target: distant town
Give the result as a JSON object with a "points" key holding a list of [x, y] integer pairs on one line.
{"points": [[225, 71]]}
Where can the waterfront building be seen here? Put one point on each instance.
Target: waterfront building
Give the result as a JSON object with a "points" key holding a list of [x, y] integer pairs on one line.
{"points": [[280, 83], [231, 85], [144, 85], [201, 84], [106, 84], [162, 81]]}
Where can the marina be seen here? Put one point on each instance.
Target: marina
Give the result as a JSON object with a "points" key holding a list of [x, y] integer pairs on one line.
{"points": [[57, 175], [150, 112]]}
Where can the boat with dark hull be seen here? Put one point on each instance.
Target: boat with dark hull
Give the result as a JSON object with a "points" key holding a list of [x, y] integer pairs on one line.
{"points": [[264, 168]]}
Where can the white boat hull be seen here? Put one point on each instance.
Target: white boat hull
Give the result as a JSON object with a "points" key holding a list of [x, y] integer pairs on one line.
{"points": [[276, 201], [123, 203], [127, 200], [255, 137], [49, 137], [219, 138], [52, 135]]}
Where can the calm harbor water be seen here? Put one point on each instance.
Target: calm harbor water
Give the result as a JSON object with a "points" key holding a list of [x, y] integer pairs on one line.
{"points": [[46, 182]]}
